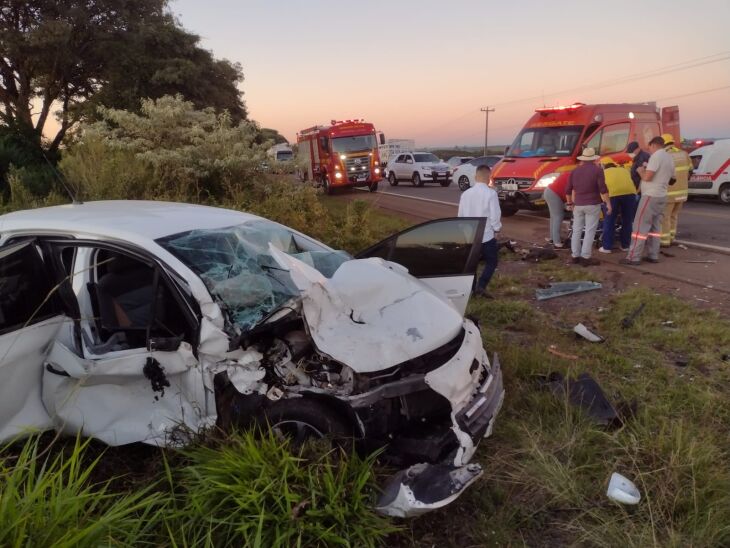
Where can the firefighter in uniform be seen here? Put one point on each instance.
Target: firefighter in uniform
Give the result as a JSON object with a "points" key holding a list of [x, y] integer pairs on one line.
{"points": [[677, 193]]}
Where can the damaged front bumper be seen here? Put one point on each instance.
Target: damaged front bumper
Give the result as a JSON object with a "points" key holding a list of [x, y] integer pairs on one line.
{"points": [[474, 389]]}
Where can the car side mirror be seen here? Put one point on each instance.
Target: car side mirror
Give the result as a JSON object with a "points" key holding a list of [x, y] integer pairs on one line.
{"points": [[409, 161], [382, 138]]}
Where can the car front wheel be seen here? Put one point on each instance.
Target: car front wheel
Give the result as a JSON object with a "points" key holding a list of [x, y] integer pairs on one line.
{"points": [[416, 180], [508, 210], [446, 183], [725, 194], [464, 183], [392, 179], [301, 419]]}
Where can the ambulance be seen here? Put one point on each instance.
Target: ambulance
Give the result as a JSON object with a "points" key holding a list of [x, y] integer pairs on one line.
{"points": [[550, 142], [711, 176]]}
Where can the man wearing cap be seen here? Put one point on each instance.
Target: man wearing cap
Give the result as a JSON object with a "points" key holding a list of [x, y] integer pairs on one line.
{"points": [[677, 193], [585, 192], [622, 193], [640, 157], [655, 180]]}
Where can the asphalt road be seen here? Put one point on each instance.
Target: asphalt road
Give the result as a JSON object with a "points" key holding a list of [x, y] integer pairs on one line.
{"points": [[701, 221]]}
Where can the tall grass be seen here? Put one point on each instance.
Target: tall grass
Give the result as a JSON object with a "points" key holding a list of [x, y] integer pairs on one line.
{"points": [[48, 499], [252, 490]]}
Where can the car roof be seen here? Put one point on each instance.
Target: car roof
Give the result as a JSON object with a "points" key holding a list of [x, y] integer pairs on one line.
{"points": [[122, 219]]}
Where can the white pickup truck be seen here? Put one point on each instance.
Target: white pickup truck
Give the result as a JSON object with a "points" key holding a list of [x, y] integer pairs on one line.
{"points": [[711, 175]]}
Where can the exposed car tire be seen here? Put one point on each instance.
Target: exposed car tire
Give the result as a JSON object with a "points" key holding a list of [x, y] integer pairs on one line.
{"points": [[373, 187], [392, 179], [326, 186], [446, 183], [724, 194], [302, 419], [508, 210], [416, 180], [464, 183]]}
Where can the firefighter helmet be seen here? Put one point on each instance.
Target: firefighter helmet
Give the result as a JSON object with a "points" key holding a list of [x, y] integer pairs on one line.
{"points": [[668, 138]]}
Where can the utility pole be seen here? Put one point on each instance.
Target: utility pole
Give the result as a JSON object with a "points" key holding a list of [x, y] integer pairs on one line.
{"points": [[486, 110]]}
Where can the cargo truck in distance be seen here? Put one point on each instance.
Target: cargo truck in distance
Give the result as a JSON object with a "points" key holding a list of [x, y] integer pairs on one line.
{"points": [[342, 154], [548, 146]]}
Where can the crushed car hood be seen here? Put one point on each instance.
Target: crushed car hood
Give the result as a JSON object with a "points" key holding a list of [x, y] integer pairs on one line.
{"points": [[372, 314]]}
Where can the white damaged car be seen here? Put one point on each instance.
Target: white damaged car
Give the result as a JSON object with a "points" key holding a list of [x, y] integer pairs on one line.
{"points": [[143, 321]]}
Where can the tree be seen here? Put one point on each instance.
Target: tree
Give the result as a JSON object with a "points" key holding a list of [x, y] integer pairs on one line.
{"points": [[268, 134], [74, 54]]}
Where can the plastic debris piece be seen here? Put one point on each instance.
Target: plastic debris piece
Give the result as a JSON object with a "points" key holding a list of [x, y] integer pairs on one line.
{"points": [[554, 350], [582, 331], [668, 323], [682, 246], [702, 262], [622, 490], [559, 289], [628, 321]]}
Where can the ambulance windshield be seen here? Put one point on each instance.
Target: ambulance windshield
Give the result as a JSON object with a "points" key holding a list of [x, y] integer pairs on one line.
{"points": [[545, 141]]}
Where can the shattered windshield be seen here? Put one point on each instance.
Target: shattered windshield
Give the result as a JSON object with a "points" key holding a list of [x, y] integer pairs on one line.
{"points": [[239, 271]]}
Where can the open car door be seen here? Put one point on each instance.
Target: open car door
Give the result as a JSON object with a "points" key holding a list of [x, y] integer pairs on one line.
{"points": [[31, 317], [443, 253]]}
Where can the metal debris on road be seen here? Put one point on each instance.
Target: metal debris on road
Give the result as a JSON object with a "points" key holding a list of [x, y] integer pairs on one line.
{"points": [[559, 289], [582, 331], [701, 262]]}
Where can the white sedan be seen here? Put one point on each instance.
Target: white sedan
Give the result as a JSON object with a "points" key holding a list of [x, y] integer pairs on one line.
{"points": [[140, 321], [465, 173]]}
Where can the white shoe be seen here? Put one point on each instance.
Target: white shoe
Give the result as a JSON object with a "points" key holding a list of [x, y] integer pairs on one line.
{"points": [[601, 250]]}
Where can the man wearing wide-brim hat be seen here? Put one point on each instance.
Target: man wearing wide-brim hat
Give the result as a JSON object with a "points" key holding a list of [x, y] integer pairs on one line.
{"points": [[585, 192]]}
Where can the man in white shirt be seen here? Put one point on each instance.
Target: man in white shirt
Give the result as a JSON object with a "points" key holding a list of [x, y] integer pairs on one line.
{"points": [[655, 179], [482, 201]]}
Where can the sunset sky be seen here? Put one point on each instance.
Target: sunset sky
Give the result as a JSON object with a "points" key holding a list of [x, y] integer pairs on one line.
{"points": [[422, 69]]}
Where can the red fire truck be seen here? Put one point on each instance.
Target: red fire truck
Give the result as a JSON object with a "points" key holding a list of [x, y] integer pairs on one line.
{"points": [[548, 145], [342, 154]]}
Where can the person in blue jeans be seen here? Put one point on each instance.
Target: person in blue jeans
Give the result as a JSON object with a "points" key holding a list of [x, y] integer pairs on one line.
{"points": [[622, 195], [482, 201]]}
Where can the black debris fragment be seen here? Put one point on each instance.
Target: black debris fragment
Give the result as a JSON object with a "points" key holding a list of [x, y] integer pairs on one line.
{"points": [[628, 321], [586, 393], [538, 254]]}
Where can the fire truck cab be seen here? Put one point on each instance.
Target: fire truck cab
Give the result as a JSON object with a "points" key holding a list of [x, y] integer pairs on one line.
{"points": [[548, 146], [343, 154]]}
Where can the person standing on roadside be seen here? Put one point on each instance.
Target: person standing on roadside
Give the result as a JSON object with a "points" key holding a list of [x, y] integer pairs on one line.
{"points": [[554, 197], [677, 195], [585, 192], [622, 193], [640, 158], [482, 201], [650, 211]]}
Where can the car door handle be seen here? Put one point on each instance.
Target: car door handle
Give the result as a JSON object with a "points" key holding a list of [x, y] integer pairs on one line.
{"points": [[60, 372]]}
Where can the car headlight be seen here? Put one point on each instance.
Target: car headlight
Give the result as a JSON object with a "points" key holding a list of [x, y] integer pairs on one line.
{"points": [[426, 168], [547, 180]]}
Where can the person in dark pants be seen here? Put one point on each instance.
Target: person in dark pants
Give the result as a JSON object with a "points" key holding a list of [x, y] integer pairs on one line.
{"points": [[482, 201]]}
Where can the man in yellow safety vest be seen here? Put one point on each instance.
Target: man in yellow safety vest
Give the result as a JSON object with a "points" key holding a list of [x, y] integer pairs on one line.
{"points": [[677, 193]]}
